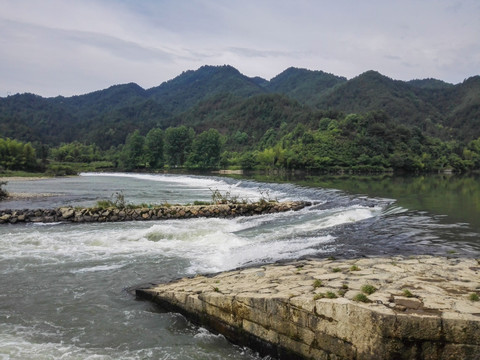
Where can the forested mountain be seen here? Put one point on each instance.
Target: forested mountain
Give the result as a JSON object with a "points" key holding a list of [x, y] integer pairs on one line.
{"points": [[223, 98], [303, 85]]}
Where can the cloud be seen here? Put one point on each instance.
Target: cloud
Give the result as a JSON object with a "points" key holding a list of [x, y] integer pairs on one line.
{"points": [[70, 47]]}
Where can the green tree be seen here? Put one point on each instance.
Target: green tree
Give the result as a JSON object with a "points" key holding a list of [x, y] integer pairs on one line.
{"points": [[154, 148], [178, 144], [133, 156], [206, 150], [16, 155]]}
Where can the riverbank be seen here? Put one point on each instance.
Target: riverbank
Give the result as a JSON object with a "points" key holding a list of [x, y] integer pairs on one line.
{"points": [[113, 214], [420, 307]]}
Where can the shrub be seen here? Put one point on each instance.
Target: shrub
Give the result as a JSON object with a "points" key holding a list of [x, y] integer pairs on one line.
{"points": [[3, 192]]}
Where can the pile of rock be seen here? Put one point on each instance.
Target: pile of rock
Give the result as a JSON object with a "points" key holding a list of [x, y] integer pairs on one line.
{"points": [[83, 215]]}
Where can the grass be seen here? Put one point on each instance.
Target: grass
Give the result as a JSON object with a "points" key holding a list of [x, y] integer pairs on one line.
{"points": [[361, 298], [330, 295], [354, 268], [196, 202], [368, 289], [317, 283], [9, 173], [407, 293], [473, 297], [336, 269]]}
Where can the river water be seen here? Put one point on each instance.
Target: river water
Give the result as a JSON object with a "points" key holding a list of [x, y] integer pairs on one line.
{"points": [[65, 287]]}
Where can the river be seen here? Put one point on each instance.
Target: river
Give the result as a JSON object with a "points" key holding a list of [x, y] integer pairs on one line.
{"points": [[65, 287]]}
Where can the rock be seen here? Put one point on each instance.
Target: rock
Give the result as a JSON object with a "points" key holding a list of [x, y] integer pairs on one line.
{"points": [[276, 309], [67, 213], [164, 212]]}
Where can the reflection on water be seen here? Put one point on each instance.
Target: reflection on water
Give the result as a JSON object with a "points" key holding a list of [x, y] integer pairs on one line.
{"points": [[457, 197]]}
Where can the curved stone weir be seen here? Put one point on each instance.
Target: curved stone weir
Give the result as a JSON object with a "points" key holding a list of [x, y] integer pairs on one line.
{"points": [[83, 215], [413, 308]]}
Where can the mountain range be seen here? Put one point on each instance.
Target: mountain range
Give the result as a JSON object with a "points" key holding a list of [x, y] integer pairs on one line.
{"points": [[222, 97]]}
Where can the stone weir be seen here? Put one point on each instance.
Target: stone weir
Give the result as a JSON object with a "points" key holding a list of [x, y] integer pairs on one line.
{"points": [[373, 308], [83, 215]]}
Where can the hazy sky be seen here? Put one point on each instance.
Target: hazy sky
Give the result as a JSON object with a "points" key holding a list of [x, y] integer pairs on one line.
{"points": [[68, 47]]}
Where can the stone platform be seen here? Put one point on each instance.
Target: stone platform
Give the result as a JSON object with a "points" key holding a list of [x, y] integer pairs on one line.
{"points": [[409, 308]]}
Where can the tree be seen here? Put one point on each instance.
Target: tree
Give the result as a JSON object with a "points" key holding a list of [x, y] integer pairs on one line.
{"points": [[206, 150], [133, 151], [154, 148], [178, 143]]}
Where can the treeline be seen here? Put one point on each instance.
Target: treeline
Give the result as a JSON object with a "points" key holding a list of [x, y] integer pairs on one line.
{"points": [[359, 143], [365, 143], [16, 155]]}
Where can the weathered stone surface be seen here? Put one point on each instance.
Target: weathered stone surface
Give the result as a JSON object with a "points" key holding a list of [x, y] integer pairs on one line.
{"points": [[280, 306]]}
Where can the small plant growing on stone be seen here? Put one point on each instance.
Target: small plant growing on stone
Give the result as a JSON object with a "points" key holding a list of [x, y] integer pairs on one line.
{"points": [[317, 283], [407, 293], [361, 298], [354, 268], [330, 295], [336, 269], [318, 296], [473, 297], [227, 198], [342, 292], [3, 192], [265, 196], [119, 200], [368, 289], [344, 286], [331, 258], [216, 289]]}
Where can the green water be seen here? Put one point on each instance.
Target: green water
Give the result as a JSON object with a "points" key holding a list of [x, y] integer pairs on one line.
{"points": [[456, 197]]}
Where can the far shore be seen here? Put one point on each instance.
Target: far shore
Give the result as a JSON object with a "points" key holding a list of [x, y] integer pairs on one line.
{"points": [[26, 178]]}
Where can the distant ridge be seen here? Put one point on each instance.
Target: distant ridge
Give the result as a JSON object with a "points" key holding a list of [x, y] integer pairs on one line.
{"points": [[222, 96]]}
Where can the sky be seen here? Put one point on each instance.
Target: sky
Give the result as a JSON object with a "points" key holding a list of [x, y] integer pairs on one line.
{"points": [[73, 47]]}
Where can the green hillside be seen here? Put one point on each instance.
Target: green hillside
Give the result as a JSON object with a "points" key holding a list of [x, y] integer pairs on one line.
{"points": [[302, 117]]}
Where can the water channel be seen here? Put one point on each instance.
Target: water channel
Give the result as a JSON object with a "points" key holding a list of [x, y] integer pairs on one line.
{"points": [[65, 287]]}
